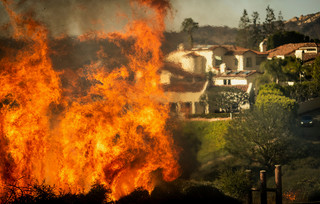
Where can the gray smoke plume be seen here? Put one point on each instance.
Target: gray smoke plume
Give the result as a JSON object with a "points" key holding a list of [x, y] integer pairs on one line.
{"points": [[75, 17]]}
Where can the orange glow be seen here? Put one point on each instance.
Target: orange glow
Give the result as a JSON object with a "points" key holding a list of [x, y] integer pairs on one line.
{"points": [[115, 134], [290, 196]]}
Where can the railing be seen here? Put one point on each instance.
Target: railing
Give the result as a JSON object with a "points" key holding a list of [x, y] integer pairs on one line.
{"points": [[263, 186]]}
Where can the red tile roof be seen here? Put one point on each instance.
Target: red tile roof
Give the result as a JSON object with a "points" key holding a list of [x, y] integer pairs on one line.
{"points": [[232, 49], [234, 73], [185, 87], [289, 49]]}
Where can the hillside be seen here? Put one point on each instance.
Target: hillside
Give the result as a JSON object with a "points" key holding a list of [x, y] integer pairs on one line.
{"points": [[213, 35], [308, 25]]}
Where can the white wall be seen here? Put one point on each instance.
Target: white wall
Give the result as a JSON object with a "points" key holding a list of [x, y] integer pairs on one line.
{"points": [[208, 55], [240, 62], [165, 77], [240, 81], [187, 64], [234, 81]]}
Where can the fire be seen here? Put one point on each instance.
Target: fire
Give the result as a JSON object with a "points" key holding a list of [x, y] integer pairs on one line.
{"points": [[114, 134], [290, 196]]}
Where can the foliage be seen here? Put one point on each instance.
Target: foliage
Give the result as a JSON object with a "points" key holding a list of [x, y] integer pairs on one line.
{"points": [[269, 23], [251, 32], [243, 33], [303, 182], [270, 95], [265, 136], [211, 137], [211, 115], [41, 193], [303, 91], [316, 71], [284, 37], [255, 31], [287, 69], [234, 183], [272, 69], [188, 25], [228, 99]]}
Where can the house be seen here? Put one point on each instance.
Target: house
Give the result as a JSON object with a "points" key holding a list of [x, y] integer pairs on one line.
{"points": [[307, 52], [208, 58], [183, 76], [183, 89], [234, 57], [243, 80]]}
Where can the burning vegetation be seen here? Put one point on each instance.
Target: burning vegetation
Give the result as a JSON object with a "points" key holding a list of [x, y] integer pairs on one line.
{"points": [[111, 132]]}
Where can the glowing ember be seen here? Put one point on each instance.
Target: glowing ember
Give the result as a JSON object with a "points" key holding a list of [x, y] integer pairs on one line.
{"points": [[113, 135]]}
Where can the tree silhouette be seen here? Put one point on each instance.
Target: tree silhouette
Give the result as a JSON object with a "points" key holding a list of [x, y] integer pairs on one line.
{"points": [[188, 25]]}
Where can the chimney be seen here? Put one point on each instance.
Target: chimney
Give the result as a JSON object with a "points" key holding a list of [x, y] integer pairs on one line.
{"points": [[263, 46], [299, 54], [223, 68]]}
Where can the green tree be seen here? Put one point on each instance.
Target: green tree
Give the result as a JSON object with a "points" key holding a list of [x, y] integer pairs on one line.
{"points": [[292, 68], [273, 70], [255, 31], [316, 70], [280, 23], [188, 25], [272, 94], [262, 136], [243, 32], [284, 37], [269, 23], [228, 99]]}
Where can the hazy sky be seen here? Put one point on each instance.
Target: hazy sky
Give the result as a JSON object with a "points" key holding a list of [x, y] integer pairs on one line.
{"points": [[75, 17], [228, 12]]}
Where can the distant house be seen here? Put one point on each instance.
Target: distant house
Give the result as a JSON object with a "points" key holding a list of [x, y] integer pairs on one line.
{"points": [[234, 57], [206, 58], [183, 89], [231, 66], [307, 52], [242, 80]]}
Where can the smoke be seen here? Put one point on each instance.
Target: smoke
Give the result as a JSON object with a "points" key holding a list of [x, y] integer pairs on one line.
{"points": [[75, 17]]}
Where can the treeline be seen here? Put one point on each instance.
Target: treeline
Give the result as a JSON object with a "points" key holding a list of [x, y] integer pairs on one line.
{"points": [[251, 31]]}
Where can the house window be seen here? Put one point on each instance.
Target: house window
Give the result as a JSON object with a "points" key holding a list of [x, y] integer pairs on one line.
{"points": [[218, 60], [226, 82], [236, 62], [249, 62]]}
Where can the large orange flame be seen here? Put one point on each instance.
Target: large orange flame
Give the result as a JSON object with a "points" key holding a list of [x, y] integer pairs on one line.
{"points": [[113, 135]]}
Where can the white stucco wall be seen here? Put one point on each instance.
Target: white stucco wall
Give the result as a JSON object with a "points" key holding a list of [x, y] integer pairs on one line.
{"points": [[218, 82], [240, 62], [239, 81], [193, 64], [187, 63], [165, 77], [234, 81], [176, 56], [208, 55]]}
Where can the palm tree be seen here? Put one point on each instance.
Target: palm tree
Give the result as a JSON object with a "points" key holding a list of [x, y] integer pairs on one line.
{"points": [[188, 25]]}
